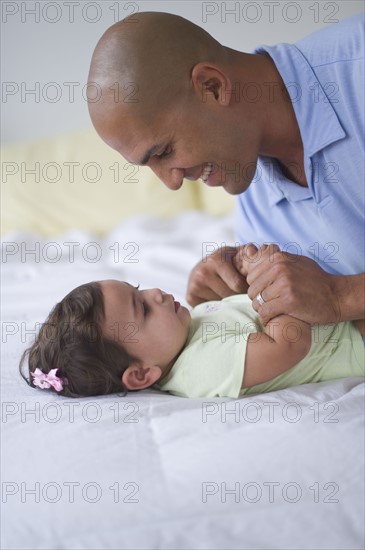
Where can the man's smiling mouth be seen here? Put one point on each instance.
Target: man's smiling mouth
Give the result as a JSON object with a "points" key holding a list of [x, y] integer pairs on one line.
{"points": [[207, 171]]}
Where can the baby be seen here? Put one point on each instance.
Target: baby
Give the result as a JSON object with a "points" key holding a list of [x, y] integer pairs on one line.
{"points": [[109, 337]]}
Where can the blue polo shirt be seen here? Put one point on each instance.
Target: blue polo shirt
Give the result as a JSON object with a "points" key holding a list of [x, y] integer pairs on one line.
{"points": [[324, 75]]}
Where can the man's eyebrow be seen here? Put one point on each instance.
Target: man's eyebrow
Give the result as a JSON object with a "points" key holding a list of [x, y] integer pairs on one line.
{"points": [[151, 151]]}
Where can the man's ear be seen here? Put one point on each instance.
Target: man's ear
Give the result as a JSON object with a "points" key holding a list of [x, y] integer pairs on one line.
{"points": [[138, 377], [210, 81]]}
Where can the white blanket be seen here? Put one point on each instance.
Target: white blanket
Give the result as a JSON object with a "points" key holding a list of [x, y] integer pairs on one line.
{"points": [[283, 470]]}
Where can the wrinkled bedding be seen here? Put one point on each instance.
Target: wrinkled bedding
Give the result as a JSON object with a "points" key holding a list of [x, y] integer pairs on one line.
{"points": [[284, 470]]}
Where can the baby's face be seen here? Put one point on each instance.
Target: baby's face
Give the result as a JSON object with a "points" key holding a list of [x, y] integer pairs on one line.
{"points": [[149, 324]]}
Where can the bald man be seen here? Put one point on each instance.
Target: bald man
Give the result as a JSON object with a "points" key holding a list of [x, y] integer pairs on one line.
{"points": [[281, 128]]}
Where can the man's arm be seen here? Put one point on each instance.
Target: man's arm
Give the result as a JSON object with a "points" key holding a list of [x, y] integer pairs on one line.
{"points": [[284, 342], [351, 292]]}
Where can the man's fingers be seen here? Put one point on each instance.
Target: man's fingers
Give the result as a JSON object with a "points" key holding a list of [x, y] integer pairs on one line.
{"points": [[219, 273], [269, 310], [204, 295], [196, 295], [228, 280], [204, 287], [293, 285], [215, 278], [265, 284], [213, 287], [268, 265]]}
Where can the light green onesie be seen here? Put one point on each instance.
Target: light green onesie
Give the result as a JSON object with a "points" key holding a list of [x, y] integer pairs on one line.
{"points": [[212, 362]]}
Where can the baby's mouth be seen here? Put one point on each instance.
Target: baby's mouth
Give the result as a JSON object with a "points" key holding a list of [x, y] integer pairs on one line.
{"points": [[177, 305], [207, 171]]}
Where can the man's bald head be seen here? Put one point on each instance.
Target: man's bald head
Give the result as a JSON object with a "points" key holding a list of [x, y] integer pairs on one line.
{"points": [[145, 62]]}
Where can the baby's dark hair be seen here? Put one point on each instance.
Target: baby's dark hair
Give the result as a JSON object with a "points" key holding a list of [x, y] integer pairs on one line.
{"points": [[71, 341]]}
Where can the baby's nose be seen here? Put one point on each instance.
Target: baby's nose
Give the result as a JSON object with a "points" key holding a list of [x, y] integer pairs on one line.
{"points": [[166, 297], [159, 295]]}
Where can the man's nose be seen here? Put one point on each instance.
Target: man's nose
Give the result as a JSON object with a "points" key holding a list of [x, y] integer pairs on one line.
{"points": [[171, 177]]}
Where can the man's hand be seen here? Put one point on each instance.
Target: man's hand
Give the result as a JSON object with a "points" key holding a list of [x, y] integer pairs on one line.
{"points": [[289, 284], [215, 277]]}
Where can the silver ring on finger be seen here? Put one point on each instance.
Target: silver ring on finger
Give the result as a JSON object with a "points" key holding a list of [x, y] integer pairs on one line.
{"points": [[260, 299]]}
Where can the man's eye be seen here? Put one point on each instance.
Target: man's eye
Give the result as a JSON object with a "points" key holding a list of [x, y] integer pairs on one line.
{"points": [[145, 308], [165, 153]]}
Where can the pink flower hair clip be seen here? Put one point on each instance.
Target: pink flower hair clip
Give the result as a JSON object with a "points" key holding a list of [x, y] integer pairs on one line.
{"points": [[45, 381]]}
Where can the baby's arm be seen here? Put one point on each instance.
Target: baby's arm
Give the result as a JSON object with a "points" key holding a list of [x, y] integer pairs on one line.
{"points": [[284, 342], [360, 325]]}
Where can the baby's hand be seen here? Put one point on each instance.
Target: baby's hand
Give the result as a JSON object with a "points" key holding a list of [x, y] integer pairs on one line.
{"points": [[245, 258], [248, 256]]}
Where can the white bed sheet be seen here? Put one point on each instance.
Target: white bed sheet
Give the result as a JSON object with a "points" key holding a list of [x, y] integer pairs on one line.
{"points": [[283, 470]]}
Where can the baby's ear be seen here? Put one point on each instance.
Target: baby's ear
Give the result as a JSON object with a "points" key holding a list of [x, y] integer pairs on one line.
{"points": [[138, 377]]}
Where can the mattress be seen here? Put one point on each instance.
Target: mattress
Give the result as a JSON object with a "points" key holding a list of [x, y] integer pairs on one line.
{"points": [[282, 470]]}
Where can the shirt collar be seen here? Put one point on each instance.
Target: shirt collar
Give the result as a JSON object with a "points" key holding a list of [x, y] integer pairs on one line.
{"points": [[284, 188], [317, 119]]}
